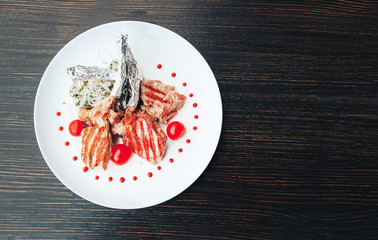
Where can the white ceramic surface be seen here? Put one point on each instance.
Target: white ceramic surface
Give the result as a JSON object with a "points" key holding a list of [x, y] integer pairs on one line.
{"points": [[151, 45]]}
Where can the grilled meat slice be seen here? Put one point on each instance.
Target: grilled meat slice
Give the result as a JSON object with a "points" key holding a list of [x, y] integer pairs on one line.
{"points": [[101, 113], [96, 146], [142, 135], [160, 101]]}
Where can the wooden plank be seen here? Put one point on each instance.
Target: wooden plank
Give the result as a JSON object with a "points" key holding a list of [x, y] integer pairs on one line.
{"points": [[297, 158]]}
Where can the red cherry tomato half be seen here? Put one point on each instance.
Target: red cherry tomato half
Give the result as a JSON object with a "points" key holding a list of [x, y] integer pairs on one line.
{"points": [[120, 154], [175, 130], [75, 127]]}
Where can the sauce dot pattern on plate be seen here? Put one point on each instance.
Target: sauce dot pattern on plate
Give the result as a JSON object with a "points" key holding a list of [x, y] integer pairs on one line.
{"points": [[122, 179]]}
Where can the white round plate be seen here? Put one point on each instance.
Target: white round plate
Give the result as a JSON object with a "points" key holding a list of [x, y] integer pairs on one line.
{"points": [[151, 45]]}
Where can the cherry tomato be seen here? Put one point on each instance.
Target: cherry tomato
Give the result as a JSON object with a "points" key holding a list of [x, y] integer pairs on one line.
{"points": [[75, 127], [175, 130], [120, 154]]}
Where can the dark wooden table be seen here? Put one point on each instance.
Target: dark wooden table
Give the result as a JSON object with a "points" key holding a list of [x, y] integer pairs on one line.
{"points": [[297, 158]]}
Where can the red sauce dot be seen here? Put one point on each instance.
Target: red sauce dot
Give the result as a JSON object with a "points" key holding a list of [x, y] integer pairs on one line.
{"points": [[195, 105], [195, 116], [180, 150], [135, 178], [150, 174], [74, 158], [159, 66], [187, 140], [194, 128], [158, 168], [122, 179], [58, 113], [85, 169], [97, 177], [110, 179], [184, 84], [173, 74], [60, 128], [191, 95], [171, 160], [67, 143]]}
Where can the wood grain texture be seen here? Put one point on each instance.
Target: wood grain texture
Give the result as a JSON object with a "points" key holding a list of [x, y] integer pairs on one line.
{"points": [[297, 158]]}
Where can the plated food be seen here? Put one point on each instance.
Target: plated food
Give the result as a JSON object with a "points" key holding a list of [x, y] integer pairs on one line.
{"points": [[138, 183], [117, 101]]}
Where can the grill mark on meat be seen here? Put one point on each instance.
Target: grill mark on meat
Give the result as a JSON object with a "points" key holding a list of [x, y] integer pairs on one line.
{"points": [[151, 139], [87, 135], [99, 140], [86, 144], [137, 144], [91, 146], [104, 152], [98, 150], [140, 132], [153, 89], [83, 139], [95, 150], [92, 151], [106, 162], [96, 139], [143, 136], [160, 141], [151, 98]]}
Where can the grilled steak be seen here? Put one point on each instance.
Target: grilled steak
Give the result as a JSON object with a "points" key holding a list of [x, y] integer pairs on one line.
{"points": [[160, 101], [142, 135]]}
